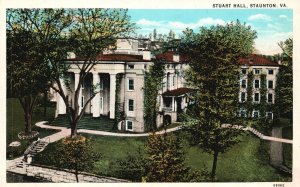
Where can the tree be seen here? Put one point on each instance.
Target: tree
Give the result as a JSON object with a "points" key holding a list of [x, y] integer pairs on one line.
{"points": [[86, 32], [214, 72], [92, 32], [26, 76], [165, 161], [76, 154], [153, 80], [284, 85]]}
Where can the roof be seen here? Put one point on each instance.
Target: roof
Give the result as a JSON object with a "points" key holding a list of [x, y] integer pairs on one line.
{"points": [[115, 57], [168, 56], [256, 60], [178, 92]]}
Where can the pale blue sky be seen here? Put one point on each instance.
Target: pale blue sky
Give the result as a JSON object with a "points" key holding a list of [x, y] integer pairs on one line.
{"points": [[272, 26]]}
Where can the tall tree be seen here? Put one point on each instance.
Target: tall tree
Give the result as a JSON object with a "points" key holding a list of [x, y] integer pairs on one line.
{"points": [[86, 32], [153, 80], [26, 76], [284, 85], [214, 71], [165, 161], [77, 155]]}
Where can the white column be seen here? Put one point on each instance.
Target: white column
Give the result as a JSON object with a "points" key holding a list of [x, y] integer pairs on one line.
{"points": [[80, 91], [61, 103], [173, 104], [112, 92], [96, 99]]}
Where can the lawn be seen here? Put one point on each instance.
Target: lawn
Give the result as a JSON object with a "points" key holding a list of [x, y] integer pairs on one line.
{"points": [[15, 124], [246, 161]]}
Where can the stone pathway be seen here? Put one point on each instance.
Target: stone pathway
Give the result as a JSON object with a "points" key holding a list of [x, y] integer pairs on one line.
{"points": [[103, 133], [257, 133]]}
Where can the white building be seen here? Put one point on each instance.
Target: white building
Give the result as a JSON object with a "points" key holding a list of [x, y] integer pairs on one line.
{"points": [[130, 65], [259, 66]]}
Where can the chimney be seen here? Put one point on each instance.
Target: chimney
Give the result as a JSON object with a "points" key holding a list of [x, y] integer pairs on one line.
{"points": [[71, 55], [146, 55], [175, 58]]}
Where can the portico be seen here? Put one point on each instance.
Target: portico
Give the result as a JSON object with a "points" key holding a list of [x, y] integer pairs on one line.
{"points": [[100, 81]]}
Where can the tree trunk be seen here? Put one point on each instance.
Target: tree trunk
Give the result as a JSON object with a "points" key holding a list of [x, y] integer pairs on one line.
{"points": [[76, 175], [28, 121], [214, 167], [74, 129]]}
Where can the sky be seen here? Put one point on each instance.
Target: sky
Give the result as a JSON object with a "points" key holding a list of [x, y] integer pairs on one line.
{"points": [[272, 26]]}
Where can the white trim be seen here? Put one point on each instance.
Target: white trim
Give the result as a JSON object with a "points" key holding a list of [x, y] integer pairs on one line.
{"points": [[245, 83], [254, 111], [241, 97], [258, 97], [272, 84], [126, 126], [128, 79], [257, 70], [272, 98], [128, 105], [269, 113], [258, 83]]}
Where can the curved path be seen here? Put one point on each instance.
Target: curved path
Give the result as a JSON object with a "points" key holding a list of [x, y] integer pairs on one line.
{"points": [[103, 133]]}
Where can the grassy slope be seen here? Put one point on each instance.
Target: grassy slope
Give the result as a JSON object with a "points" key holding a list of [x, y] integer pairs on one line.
{"points": [[244, 162], [15, 122]]}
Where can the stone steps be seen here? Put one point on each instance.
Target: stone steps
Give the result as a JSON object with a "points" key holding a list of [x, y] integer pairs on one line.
{"points": [[86, 122]]}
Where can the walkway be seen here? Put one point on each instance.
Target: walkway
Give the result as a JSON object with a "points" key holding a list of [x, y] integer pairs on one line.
{"points": [[257, 133], [103, 133]]}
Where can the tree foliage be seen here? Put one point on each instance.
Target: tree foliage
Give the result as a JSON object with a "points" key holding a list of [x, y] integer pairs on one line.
{"points": [[76, 154], [284, 85], [214, 71], [86, 32], [165, 161], [26, 75]]}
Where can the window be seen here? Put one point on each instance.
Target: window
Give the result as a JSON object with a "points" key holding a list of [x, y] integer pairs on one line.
{"points": [[255, 114], [130, 66], [130, 105], [244, 71], [270, 98], [243, 96], [256, 97], [270, 71], [129, 125], [130, 84], [256, 83], [244, 83], [270, 84], [269, 115], [243, 113], [256, 71]]}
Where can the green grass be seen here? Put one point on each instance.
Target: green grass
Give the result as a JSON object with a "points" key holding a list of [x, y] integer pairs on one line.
{"points": [[15, 124], [245, 162]]}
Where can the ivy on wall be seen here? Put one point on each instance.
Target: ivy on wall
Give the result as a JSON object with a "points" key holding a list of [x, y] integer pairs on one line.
{"points": [[152, 85], [119, 109]]}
